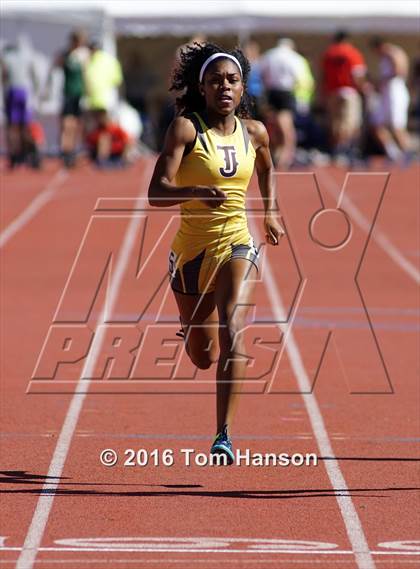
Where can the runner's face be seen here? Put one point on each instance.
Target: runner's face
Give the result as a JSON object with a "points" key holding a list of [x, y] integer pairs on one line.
{"points": [[222, 86]]}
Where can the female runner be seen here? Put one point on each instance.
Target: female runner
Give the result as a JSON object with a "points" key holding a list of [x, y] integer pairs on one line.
{"points": [[207, 161]]}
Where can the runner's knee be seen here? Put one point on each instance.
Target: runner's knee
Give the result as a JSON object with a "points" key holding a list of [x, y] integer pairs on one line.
{"points": [[202, 349], [229, 333]]}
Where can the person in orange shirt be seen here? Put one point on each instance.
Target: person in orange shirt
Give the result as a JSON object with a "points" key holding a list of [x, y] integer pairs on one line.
{"points": [[108, 143], [344, 72]]}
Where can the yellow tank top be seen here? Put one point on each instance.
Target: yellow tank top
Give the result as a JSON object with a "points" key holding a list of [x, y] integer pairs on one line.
{"points": [[223, 161]]}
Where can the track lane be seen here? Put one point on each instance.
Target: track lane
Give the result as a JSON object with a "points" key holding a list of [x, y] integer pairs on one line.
{"points": [[20, 187], [132, 413], [38, 260]]}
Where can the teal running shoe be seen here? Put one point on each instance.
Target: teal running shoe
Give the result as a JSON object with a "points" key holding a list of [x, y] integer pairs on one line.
{"points": [[223, 445]]}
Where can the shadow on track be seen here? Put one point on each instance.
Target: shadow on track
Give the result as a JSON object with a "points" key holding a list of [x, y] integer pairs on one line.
{"points": [[19, 476], [238, 494]]}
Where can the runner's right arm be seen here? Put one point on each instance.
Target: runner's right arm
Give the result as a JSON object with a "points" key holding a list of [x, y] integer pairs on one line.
{"points": [[162, 189]]}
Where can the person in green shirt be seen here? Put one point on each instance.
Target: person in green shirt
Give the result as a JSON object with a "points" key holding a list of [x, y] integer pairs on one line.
{"points": [[72, 62]]}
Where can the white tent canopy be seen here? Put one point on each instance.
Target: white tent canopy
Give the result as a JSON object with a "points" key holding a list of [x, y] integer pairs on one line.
{"points": [[159, 8], [184, 17]]}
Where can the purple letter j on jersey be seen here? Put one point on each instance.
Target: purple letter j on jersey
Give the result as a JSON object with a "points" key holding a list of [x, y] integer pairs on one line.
{"points": [[231, 164]]}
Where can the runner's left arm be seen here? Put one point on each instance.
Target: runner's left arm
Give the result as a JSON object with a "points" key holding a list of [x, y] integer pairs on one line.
{"points": [[264, 166]]}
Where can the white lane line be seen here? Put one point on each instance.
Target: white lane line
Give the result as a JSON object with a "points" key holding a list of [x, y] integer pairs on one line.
{"points": [[33, 208], [379, 236], [242, 561], [36, 529], [313, 552], [351, 519], [165, 561]]}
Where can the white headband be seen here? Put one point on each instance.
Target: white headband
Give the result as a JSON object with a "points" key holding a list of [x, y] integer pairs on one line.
{"points": [[216, 56]]}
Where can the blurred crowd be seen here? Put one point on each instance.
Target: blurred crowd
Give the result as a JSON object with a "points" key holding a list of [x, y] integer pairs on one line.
{"points": [[356, 105], [104, 111], [90, 114]]}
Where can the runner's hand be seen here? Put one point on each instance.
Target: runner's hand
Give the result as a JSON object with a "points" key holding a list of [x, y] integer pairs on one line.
{"points": [[210, 195], [273, 230]]}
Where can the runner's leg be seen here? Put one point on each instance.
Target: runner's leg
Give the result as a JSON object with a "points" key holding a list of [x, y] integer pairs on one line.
{"points": [[200, 323], [235, 285]]}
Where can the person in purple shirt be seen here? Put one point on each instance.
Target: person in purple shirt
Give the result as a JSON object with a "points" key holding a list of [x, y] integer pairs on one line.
{"points": [[19, 82]]}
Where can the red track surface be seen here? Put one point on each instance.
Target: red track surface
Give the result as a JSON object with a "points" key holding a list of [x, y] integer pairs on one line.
{"points": [[374, 437]]}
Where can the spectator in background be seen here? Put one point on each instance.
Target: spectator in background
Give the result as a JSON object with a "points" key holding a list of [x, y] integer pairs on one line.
{"points": [[251, 50], [304, 123], [344, 72], [280, 69], [108, 144], [304, 88], [415, 85], [72, 62], [20, 83], [103, 76], [391, 115]]}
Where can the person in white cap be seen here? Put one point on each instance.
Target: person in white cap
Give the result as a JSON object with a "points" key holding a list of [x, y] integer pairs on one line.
{"points": [[281, 68]]}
